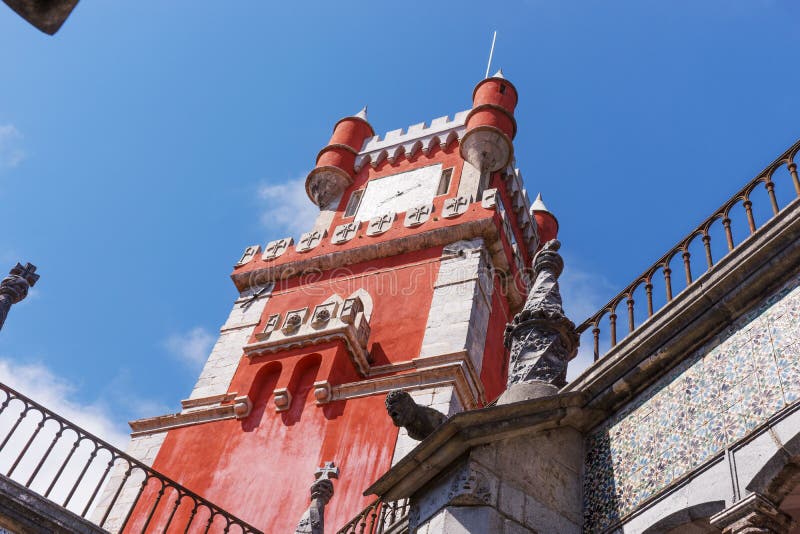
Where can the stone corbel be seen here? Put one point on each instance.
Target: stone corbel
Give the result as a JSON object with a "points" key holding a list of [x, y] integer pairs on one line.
{"points": [[754, 514], [322, 392], [283, 399]]}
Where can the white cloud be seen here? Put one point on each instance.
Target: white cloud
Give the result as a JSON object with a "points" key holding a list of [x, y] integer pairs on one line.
{"points": [[288, 208], [11, 154], [192, 347], [54, 393]]}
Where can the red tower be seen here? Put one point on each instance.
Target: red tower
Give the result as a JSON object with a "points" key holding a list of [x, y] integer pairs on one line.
{"points": [[405, 281]]}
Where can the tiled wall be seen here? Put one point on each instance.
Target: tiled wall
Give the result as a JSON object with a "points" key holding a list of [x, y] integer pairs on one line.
{"points": [[713, 398]]}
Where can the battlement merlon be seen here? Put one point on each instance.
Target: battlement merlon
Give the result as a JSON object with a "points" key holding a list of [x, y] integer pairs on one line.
{"points": [[442, 130]]}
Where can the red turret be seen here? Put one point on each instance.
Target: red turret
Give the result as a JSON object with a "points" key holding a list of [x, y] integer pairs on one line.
{"points": [[335, 170], [546, 221], [491, 125]]}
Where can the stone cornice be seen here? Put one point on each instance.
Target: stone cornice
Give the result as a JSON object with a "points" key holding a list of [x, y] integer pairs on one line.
{"points": [[484, 227], [759, 265], [469, 429], [199, 411]]}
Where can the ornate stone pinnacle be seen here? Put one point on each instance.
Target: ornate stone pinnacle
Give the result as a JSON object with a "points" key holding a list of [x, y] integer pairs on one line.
{"points": [[541, 338], [14, 287], [313, 520]]}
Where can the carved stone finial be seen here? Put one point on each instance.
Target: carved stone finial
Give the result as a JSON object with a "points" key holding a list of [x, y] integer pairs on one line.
{"points": [[419, 421], [541, 338], [14, 287], [313, 520]]}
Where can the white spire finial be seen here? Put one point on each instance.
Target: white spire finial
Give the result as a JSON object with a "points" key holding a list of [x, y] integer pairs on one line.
{"points": [[538, 204], [362, 114], [499, 74]]}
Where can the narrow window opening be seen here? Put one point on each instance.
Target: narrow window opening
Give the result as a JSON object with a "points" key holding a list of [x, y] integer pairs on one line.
{"points": [[444, 182], [502, 89], [353, 203]]}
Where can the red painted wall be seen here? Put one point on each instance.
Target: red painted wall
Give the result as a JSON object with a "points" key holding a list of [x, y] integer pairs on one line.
{"points": [[260, 469]]}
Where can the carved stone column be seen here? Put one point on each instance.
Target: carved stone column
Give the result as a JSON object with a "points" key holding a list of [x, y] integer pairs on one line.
{"points": [[313, 520], [15, 287], [541, 338], [752, 515]]}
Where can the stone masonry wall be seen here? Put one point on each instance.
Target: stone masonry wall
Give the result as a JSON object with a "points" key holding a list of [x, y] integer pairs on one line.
{"points": [[234, 334], [713, 398]]}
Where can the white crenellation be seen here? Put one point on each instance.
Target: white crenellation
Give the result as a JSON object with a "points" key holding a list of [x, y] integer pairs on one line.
{"points": [[228, 350], [461, 304], [416, 137], [143, 448]]}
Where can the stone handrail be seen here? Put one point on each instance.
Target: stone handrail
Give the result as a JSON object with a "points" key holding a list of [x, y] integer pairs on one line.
{"points": [[704, 232]]}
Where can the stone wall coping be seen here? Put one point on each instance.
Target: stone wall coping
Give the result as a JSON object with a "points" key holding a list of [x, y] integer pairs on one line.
{"points": [[469, 429], [29, 512], [759, 265]]}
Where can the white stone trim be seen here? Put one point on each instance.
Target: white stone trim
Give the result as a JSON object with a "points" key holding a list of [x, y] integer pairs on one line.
{"points": [[462, 296], [216, 376]]}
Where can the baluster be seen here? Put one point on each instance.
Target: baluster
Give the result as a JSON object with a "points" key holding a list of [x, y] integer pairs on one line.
{"points": [[748, 209], [227, 526], [46, 455], [707, 245], [613, 321], [793, 171], [160, 494], [99, 484], [134, 503], [770, 185], [649, 290], [726, 223], [39, 427], [116, 494], [687, 267], [596, 335], [630, 314], [175, 506], [210, 520], [14, 428], [668, 282], [191, 516], [80, 477], [63, 465], [363, 523], [5, 403], [373, 516]]}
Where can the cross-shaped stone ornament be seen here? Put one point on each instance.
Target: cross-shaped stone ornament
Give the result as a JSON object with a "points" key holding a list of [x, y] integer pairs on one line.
{"points": [[276, 248], [28, 272], [455, 206], [310, 240], [379, 224], [417, 215], [344, 232], [329, 470], [249, 253]]}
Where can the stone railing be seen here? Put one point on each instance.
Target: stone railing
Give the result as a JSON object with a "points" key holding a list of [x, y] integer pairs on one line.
{"points": [[69, 466], [727, 236], [379, 518]]}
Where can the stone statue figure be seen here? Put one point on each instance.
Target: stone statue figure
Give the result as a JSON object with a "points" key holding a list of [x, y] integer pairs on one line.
{"points": [[313, 520], [540, 337], [419, 421], [14, 288]]}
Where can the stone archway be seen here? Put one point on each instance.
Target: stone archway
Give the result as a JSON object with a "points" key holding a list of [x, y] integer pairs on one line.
{"points": [[691, 520]]}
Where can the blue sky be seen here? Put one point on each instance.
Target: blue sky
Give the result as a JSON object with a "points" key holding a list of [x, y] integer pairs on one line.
{"points": [[147, 143]]}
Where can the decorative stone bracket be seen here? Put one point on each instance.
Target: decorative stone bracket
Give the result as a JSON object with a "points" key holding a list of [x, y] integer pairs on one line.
{"points": [[329, 321]]}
